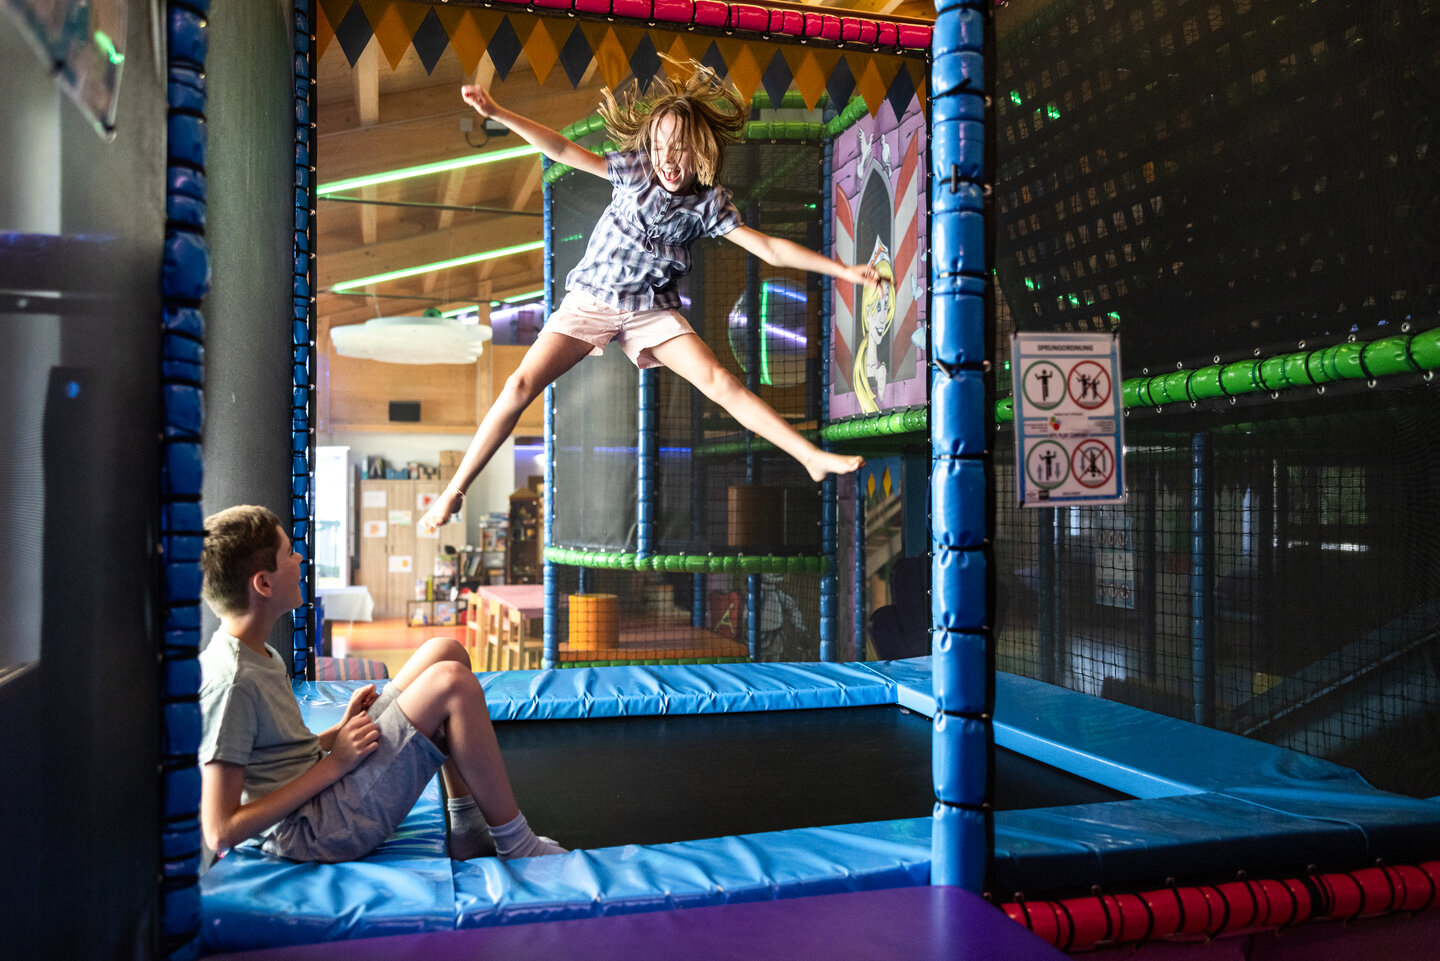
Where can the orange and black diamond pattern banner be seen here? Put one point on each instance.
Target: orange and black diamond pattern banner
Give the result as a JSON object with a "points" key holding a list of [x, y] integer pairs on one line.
{"points": [[616, 50]]}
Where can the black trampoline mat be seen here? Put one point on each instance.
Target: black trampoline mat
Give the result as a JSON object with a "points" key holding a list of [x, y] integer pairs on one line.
{"points": [[650, 780]]}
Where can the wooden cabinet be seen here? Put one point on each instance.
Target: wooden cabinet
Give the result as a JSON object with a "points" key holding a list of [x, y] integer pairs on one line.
{"points": [[524, 542], [394, 554]]}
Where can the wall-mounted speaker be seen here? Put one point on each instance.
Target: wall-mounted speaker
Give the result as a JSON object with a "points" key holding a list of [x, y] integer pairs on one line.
{"points": [[405, 411]]}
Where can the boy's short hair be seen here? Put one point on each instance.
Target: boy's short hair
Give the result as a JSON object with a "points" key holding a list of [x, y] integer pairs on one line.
{"points": [[239, 543]]}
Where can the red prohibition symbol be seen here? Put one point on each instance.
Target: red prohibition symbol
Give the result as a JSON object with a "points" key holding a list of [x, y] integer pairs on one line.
{"points": [[1092, 463], [1089, 384]]}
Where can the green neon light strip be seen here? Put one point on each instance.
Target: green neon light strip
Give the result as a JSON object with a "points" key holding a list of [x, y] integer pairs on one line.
{"points": [[689, 563], [516, 298], [438, 265], [630, 662], [457, 311], [425, 170], [1387, 357], [112, 53]]}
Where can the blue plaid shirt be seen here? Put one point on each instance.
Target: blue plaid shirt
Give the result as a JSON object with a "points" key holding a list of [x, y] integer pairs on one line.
{"points": [[641, 245]]}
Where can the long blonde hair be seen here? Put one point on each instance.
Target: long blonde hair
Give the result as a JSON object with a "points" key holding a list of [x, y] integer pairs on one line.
{"points": [[699, 105], [860, 372]]}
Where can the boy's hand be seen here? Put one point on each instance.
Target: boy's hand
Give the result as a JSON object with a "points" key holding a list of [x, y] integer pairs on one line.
{"points": [[356, 740], [864, 274], [479, 98], [360, 702]]}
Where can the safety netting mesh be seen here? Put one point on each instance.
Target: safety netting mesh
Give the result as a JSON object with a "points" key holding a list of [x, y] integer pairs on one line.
{"points": [[1222, 180], [722, 499]]}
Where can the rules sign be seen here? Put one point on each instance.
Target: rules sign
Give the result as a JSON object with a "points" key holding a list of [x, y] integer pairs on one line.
{"points": [[1069, 439]]}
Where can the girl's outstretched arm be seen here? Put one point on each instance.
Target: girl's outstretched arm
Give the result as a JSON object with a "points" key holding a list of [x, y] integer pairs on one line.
{"points": [[558, 148], [779, 252]]}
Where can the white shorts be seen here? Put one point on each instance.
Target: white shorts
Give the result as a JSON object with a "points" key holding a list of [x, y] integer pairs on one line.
{"points": [[583, 317]]}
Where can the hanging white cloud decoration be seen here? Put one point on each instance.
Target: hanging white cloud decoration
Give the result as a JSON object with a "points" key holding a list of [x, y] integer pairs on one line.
{"points": [[412, 340]]}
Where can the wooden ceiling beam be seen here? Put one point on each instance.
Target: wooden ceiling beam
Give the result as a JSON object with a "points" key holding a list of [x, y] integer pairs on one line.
{"points": [[452, 183], [366, 83]]}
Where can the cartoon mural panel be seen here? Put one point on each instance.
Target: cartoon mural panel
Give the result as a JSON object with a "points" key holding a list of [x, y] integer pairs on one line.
{"points": [[878, 343]]}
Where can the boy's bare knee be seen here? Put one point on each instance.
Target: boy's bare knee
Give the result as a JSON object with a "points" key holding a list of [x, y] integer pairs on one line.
{"points": [[454, 677], [446, 649]]}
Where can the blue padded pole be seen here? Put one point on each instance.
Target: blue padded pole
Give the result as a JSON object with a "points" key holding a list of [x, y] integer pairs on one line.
{"points": [[550, 638], [960, 439], [184, 282], [830, 580], [830, 487], [698, 601], [1202, 600], [305, 627]]}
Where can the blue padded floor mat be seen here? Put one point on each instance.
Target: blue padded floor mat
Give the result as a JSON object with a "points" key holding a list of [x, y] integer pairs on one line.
{"points": [[1207, 803]]}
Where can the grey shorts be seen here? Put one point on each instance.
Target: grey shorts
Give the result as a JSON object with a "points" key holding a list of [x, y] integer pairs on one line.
{"points": [[350, 818], [583, 317]]}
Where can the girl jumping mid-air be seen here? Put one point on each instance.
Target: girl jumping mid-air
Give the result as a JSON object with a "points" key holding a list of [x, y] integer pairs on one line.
{"points": [[665, 198]]}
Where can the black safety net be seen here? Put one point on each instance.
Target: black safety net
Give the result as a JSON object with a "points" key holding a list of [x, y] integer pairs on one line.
{"points": [[720, 499], [1219, 181]]}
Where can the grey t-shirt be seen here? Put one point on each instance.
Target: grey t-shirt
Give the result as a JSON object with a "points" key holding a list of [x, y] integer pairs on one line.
{"points": [[249, 716]]}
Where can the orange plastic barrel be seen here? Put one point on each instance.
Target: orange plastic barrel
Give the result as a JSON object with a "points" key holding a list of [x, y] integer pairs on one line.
{"points": [[594, 622], [756, 521]]}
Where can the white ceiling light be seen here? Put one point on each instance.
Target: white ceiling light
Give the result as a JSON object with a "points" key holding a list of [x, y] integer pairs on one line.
{"points": [[412, 340]]}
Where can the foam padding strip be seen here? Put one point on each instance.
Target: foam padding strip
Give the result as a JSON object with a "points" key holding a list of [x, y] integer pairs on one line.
{"points": [[253, 900], [1142, 753], [728, 870], [1146, 841], [659, 689]]}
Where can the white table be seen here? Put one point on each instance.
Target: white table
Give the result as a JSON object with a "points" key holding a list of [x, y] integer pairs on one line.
{"points": [[346, 603]]}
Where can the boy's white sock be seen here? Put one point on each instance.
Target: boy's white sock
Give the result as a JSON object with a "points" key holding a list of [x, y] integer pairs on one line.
{"points": [[515, 840], [468, 836]]}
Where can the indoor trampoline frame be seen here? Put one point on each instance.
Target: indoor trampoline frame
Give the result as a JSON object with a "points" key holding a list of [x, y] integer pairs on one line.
{"points": [[1206, 802]]}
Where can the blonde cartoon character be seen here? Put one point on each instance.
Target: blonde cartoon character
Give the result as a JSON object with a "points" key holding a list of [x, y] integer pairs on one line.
{"points": [[877, 314]]}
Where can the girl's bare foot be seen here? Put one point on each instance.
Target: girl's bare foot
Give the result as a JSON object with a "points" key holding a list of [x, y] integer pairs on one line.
{"points": [[822, 463]]}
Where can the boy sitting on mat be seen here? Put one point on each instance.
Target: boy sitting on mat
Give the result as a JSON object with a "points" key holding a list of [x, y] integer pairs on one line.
{"points": [[335, 796]]}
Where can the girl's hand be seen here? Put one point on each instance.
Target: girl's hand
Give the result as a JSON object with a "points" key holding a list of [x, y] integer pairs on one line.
{"points": [[863, 274], [479, 98], [440, 512], [356, 740]]}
